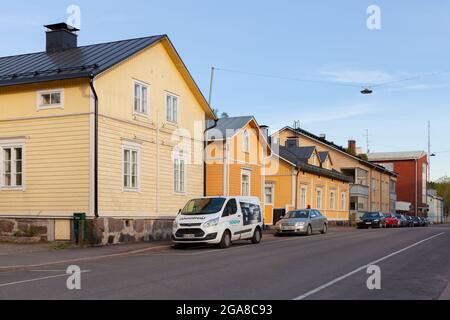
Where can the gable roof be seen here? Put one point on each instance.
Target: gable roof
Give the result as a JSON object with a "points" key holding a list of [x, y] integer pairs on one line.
{"points": [[73, 63], [334, 146], [228, 127], [323, 155], [286, 154], [388, 156], [85, 61], [302, 153]]}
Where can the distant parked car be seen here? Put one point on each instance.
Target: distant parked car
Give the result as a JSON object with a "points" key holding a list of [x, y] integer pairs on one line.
{"points": [[302, 222], [371, 220], [410, 221], [402, 222], [418, 222], [426, 222], [391, 220]]}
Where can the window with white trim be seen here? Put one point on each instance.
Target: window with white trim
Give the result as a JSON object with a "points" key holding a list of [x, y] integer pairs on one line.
{"points": [[131, 167], [319, 199], [179, 173], [246, 141], [303, 192], [172, 108], [344, 201], [245, 184], [268, 193], [50, 99], [332, 200], [12, 166], [140, 98]]}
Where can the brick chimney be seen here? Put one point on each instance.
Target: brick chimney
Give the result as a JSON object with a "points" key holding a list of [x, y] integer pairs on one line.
{"points": [[352, 146]]}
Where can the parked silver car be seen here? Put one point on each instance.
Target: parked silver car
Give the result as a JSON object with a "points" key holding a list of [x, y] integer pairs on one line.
{"points": [[302, 222]]}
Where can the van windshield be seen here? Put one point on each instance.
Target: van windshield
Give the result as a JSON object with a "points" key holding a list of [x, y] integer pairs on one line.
{"points": [[203, 206]]}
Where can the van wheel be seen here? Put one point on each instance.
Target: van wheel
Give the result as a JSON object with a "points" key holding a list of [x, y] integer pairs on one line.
{"points": [[309, 232], [257, 236], [226, 240], [324, 229]]}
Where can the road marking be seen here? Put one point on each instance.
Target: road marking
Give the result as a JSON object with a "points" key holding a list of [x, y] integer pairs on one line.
{"points": [[37, 279], [326, 285]]}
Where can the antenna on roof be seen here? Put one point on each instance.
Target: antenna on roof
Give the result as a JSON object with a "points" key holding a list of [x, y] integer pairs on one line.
{"points": [[296, 124]]}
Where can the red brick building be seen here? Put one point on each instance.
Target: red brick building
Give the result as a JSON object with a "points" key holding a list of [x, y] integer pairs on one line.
{"points": [[412, 170]]}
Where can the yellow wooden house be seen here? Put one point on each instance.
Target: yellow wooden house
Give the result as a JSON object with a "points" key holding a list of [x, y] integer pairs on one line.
{"points": [[113, 130]]}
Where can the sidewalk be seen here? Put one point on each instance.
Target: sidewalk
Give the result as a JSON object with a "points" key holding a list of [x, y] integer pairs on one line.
{"points": [[15, 256]]}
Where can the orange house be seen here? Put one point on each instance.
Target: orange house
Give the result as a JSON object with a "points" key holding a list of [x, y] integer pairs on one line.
{"points": [[236, 152], [301, 177]]}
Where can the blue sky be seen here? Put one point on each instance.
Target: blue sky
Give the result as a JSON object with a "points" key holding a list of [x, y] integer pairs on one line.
{"points": [[321, 40]]}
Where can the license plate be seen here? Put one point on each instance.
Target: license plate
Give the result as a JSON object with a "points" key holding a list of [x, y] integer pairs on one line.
{"points": [[368, 222], [289, 228], [189, 236]]}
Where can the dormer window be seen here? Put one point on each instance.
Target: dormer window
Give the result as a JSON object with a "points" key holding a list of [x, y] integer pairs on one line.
{"points": [[246, 142], [50, 99]]}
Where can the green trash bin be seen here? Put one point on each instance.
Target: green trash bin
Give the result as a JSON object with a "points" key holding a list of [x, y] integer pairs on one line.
{"points": [[79, 227]]}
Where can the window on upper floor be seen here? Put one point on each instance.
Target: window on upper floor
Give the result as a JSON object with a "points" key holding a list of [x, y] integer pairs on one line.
{"points": [[12, 166], [140, 98], [50, 99], [268, 191], [245, 183], [332, 200], [319, 198], [246, 141], [171, 108]]}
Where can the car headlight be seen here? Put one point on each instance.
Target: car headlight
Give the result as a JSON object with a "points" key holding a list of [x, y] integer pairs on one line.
{"points": [[211, 223], [175, 224]]}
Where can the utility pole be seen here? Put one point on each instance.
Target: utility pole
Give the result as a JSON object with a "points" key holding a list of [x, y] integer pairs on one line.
{"points": [[367, 141], [429, 151], [211, 86]]}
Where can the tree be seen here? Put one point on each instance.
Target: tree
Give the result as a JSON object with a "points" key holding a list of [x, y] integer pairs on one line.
{"points": [[442, 187], [220, 115]]}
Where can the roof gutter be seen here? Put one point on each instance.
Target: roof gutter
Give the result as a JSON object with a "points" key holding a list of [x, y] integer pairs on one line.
{"points": [[91, 83]]}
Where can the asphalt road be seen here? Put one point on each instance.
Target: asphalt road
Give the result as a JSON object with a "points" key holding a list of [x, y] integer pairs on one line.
{"points": [[414, 264]]}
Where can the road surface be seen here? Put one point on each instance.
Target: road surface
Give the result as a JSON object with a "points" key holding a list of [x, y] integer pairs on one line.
{"points": [[414, 264]]}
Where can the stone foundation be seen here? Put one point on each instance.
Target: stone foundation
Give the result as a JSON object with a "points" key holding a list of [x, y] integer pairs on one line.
{"points": [[33, 229], [107, 231]]}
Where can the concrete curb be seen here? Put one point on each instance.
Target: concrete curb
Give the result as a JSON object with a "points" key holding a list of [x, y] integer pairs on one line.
{"points": [[68, 261], [445, 295]]}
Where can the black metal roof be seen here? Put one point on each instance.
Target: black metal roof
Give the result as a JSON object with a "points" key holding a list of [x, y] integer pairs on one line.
{"points": [[227, 127], [323, 155], [286, 154], [79, 62], [302, 153]]}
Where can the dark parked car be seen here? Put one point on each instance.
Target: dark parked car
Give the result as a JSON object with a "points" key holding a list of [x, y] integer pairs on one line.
{"points": [[418, 222], [371, 220], [402, 222], [410, 221]]}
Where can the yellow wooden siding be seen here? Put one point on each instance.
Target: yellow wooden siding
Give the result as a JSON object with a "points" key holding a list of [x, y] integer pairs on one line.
{"points": [[155, 197], [56, 166]]}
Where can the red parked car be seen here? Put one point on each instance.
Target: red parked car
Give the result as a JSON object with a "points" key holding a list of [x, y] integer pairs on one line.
{"points": [[391, 221]]}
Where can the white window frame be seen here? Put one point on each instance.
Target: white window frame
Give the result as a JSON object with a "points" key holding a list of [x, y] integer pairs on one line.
{"points": [[131, 147], [170, 116], [319, 204], [332, 200], [303, 194], [41, 106], [181, 188], [133, 95], [344, 201], [12, 145], [248, 174], [272, 192], [246, 141]]}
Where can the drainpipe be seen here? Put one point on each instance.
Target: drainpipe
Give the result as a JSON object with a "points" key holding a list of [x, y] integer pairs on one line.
{"points": [[296, 190], [415, 200], [205, 144], [91, 83]]}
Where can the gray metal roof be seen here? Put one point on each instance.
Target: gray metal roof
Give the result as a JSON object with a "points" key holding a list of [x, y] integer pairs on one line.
{"points": [[227, 127], [286, 154], [302, 153], [323, 155], [388, 156], [73, 63]]}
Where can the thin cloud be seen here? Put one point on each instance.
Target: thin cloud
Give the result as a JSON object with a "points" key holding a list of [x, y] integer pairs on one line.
{"points": [[332, 114], [360, 76]]}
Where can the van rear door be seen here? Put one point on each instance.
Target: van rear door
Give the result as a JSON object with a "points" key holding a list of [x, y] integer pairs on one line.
{"points": [[252, 216]]}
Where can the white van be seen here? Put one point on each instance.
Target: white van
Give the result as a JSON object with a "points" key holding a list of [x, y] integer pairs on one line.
{"points": [[219, 220]]}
